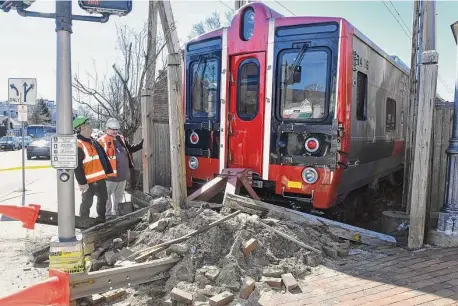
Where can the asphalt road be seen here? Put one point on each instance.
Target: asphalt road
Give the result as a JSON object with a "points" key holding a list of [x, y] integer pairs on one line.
{"points": [[17, 243]]}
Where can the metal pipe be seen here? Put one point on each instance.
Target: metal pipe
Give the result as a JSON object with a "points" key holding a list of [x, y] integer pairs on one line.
{"points": [[24, 13], [102, 19], [65, 190]]}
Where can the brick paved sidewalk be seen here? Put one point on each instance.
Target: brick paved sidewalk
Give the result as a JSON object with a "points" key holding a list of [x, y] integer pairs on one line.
{"points": [[383, 276]]}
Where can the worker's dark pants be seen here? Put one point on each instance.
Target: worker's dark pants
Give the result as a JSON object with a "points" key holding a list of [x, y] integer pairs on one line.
{"points": [[99, 189]]}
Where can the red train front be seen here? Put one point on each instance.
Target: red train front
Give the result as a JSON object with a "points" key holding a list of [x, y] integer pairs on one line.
{"points": [[274, 94]]}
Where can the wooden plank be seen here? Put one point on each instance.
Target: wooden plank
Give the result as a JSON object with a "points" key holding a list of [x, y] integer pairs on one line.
{"points": [[50, 218], [161, 154], [340, 229], [176, 125], [446, 132], [436, 159], [101, 231], [147, 160], [420, 166]]}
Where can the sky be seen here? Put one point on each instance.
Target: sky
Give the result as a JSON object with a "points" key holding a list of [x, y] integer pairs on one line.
{"points": [[28, 45]]}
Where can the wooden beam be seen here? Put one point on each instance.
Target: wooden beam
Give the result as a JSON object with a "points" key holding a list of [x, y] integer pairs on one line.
{"points": [[168, 26], [176, 126], [147, 102], [422, 150], [337, 228]]}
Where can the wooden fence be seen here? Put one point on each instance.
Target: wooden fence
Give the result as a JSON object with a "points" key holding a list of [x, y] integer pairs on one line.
{"points": [[441, 133], [160, 137]]}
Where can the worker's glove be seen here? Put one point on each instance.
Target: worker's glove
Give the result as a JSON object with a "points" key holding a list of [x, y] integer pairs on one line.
{"points": [[84, 188]]}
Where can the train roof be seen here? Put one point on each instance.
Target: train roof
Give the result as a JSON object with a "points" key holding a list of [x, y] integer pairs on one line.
{"points": [[393, 59]]}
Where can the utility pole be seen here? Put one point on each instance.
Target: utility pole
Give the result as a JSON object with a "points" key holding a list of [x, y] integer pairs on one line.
{"points": [[176, 115], [448, 217], [410, 126], [424, 113], [147, 102]]}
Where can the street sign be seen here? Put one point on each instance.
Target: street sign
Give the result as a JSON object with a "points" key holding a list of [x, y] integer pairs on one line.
{"points": [[22, 91], [64, 152], [120, 8], [22, 112]]}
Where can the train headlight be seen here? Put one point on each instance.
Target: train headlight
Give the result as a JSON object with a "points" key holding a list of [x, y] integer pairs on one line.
{"points": [[248, 24], [312, 144], [309, 175], [193, 163]]}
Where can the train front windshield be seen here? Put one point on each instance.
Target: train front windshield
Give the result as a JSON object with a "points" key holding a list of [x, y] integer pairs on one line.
{"points": [[204, 87]]}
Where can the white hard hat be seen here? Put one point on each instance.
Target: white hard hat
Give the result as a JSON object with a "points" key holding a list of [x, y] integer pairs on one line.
{"points": [[113, 124]]}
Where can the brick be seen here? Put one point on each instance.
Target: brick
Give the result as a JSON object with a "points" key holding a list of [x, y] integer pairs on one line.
{"points": [[97, 299], [221, 299], [272, 272], [247, 288], [212, 273], [289, 281], [249, 246], [181, 295], [272, 281], [112, 295]]}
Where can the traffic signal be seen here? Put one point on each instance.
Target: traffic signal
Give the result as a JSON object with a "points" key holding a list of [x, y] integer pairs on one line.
{"points": [[7, 5], [120, 8]]}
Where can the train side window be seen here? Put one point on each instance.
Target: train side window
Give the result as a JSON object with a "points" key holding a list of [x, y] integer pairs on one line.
{"points": [[204, 88], [390, 115], [361, 96], [248, 92]]}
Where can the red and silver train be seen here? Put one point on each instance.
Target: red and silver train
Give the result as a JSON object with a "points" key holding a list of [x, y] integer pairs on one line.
{"points": [[309, 104]]}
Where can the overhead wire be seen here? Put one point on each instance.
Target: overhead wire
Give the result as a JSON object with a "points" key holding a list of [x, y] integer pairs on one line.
{"points": [[403, 26], [438, 75]]}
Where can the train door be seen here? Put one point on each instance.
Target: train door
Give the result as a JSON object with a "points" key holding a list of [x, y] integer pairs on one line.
{"points": [[246, 111]]}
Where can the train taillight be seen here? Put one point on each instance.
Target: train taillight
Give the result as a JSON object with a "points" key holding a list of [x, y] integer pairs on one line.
{"points": [[312, 144], [309, 175], [194, 138]]}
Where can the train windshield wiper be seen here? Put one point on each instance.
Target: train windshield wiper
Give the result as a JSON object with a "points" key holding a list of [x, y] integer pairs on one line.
{"points": [[202, 58], [298, 60]]}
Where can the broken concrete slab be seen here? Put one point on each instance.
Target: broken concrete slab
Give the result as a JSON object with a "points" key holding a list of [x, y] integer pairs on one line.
{"points": [[112, 295], [159, 225], [273, 272]]}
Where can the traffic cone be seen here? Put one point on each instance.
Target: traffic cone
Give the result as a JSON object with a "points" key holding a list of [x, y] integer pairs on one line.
{"points": [[27, 215], [54, 291]]}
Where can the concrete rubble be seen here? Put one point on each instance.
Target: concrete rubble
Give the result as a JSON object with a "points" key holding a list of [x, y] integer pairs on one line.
{"points": [[232, 263]]}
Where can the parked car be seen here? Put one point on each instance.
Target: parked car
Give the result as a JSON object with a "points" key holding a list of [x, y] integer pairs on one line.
{"points": [[39, 148], [10, 143], [27, 140]]}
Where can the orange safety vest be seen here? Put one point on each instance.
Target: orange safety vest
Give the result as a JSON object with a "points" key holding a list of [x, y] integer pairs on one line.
{"points": [[92, 166], [107, 142]]}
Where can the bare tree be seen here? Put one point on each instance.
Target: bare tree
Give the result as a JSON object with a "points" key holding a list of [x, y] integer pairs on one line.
{"points": [[118, 93], [211, 23]]}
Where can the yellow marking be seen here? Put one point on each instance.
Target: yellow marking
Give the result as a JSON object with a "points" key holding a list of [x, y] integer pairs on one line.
{"points": [[293, 184], [26, 168]]}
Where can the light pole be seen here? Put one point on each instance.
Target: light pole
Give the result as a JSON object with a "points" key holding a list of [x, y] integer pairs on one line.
{"points": [[449, 212]]}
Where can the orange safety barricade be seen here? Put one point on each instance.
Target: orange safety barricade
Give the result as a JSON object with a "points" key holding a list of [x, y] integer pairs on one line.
{"points": [[28, 215], [54, 291]]}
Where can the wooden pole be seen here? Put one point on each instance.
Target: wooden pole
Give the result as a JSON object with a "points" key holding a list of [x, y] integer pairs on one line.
{"points": [[409, 114], [176, 126], [422, 150], [147, 103]]}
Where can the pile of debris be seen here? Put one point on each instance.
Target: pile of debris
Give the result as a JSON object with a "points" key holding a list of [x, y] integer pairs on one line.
{"points": [[226, 258]]}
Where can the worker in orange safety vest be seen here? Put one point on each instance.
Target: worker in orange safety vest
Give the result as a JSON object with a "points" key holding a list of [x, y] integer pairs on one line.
{"points": [[119, 153], [92, 170]]}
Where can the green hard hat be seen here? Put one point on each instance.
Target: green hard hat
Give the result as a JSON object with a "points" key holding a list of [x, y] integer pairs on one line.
{"points": [[79, 121]]}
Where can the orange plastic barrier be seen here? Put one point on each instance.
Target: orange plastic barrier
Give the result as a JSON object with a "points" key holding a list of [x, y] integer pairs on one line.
{"points": [[52, 292], [28, 215]]}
